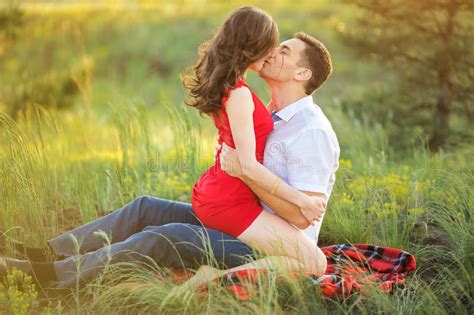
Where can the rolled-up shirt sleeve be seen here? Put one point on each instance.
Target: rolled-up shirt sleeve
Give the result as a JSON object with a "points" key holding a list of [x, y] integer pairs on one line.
{"points": [[310, 160]]}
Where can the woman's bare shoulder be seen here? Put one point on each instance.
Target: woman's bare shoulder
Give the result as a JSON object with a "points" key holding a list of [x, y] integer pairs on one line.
{"points": [[240, 96]]}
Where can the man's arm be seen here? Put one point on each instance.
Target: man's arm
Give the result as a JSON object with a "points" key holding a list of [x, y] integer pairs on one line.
{"points": [[287, 210], [283, 208], [239, 108]]}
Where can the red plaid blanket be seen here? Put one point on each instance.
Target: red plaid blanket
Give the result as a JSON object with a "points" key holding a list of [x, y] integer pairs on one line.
{"points": [[350, 267]]}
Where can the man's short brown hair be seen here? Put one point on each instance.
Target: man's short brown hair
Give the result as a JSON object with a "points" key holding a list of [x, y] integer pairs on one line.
{"points": [[315, 57]]}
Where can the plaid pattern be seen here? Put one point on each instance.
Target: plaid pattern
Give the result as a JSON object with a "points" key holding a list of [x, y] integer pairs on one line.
{"points": [[350, 267]]}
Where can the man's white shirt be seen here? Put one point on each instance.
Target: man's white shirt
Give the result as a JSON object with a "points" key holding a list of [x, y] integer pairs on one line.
{"points": [[303, 151]]}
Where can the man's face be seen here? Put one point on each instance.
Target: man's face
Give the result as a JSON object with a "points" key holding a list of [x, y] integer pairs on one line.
{"points": [[283, 65]]}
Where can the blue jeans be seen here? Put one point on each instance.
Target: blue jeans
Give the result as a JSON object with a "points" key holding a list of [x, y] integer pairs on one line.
{"points": [[166, 231]]}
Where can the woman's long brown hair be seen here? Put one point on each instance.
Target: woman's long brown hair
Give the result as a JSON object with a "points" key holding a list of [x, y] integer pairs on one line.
{"points": [[247, 35]]}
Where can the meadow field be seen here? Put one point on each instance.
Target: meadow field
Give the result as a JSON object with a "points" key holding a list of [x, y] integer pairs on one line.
{"points": [[92, 116]]}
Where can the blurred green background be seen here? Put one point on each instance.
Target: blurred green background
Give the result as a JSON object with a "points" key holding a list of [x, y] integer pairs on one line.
{"points": [[396, 69]]}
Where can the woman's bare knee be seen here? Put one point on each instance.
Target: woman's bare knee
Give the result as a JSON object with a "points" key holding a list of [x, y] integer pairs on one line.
{"points": [[275, 236]]}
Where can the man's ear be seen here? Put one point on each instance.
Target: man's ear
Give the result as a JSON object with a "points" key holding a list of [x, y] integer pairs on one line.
{"points": [[303, 74]]}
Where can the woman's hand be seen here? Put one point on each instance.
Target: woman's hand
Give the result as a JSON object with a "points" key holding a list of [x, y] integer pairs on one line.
{"points": [[313, 208]]}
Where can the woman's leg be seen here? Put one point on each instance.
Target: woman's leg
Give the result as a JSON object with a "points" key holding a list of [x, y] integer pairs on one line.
{"points": [[289, 249], [207, 273], [274, 236]]}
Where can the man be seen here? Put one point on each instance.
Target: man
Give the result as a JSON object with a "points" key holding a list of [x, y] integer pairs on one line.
{"points": [[302, 150]]}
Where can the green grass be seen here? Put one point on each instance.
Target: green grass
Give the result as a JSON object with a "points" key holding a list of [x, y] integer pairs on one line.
{"points": [[60, 170]]}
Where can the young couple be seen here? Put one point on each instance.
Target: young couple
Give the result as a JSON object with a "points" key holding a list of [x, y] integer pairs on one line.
{"points": [[239, 204]]}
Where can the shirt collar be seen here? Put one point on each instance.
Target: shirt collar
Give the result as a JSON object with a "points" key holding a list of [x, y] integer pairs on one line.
{"points": [[289, 111]]}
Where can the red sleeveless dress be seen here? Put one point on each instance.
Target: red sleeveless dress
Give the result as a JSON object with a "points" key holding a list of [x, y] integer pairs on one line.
{"points": [[223, 202]]}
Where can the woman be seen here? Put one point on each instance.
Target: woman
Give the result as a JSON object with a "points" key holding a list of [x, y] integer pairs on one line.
{"points": [[217, 88]]}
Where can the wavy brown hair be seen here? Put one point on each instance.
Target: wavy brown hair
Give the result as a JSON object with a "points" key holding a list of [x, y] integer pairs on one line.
{"points": [[247, 35]]}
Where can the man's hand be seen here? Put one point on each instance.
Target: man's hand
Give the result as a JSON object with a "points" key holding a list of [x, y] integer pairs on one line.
{"points": [[314, 208], [230, 161]]}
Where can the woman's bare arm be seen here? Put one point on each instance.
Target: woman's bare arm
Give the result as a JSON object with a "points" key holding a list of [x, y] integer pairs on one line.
{"points": [[283, 208], [287, 210], [240, 109]]}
